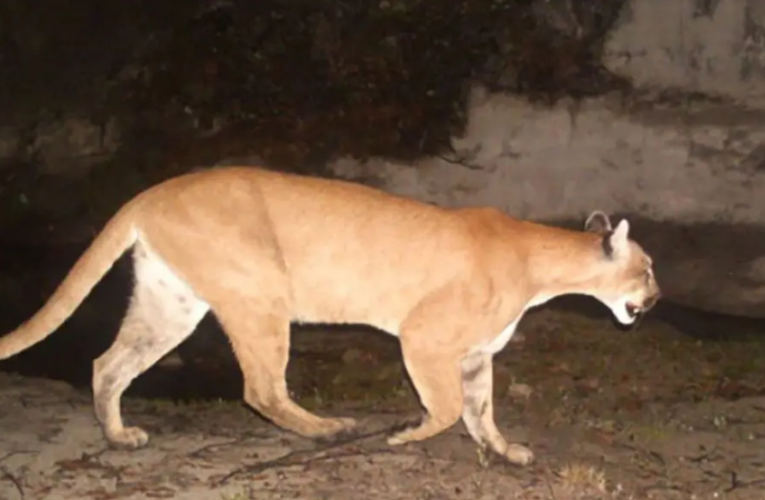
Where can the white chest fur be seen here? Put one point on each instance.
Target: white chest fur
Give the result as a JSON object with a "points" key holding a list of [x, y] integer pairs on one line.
{"points": [[500, 341]]}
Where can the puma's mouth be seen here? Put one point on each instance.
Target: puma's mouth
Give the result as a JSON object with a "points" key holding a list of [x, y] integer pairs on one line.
{"points": [[633, 310]]}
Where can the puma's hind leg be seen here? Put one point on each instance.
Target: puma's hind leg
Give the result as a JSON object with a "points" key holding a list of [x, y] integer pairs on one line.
{"points": [[437, 378], [259, 331], [163, 311]]}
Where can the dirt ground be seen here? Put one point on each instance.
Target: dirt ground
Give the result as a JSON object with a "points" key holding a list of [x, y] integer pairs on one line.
{"points": [[668, 411]]}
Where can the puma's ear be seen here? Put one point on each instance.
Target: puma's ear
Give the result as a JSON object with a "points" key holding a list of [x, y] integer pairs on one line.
{"points": [[617, 241], [598, 222]]}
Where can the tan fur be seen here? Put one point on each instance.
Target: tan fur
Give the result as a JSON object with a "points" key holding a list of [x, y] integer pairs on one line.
{"points": [[261, 248]]}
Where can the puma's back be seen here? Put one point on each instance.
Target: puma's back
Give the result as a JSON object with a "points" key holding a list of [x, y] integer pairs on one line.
{"points": [[329, 246]]}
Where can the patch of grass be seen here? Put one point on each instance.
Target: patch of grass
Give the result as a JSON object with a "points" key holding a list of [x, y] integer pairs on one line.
{"points": [[236, 496], [648, 432], [193, 404], [577, 476]]}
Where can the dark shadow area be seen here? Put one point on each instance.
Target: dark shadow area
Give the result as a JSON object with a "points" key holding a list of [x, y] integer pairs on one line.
{"points": [[295, 83], [692, 322]]}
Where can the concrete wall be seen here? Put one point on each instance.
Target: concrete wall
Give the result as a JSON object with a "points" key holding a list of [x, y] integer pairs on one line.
{"points": [[713, 46], [680, 162]]}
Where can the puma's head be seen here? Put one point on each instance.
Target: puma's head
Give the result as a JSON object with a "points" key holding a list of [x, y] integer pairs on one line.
{"points": [[626, 282]]}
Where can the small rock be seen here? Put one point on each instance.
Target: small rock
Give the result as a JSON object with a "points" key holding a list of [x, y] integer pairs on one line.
{"points": [[560, 368], [10, 141], [755, 269], [589, 384], [389, 371], [608, 426], [518, 338], [74, 143], [172, 361], [353, 356], [519, 391]]}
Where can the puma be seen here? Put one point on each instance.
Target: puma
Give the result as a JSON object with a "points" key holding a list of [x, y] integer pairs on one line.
{"points": [[261, 249]]}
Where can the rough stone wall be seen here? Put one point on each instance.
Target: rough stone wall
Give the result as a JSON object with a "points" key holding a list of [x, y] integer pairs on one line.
{"points": [[710, 46], [666, 161]]}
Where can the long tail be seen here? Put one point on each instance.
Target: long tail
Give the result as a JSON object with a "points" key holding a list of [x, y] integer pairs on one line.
{"points": [[116, 237]]}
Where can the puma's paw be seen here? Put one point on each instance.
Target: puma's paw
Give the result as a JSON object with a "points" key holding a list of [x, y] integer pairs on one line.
{"points": [[396, 440], [406, 435], [519, 454], [343, 425], [340, 430], [130, 437], [329, 427]]}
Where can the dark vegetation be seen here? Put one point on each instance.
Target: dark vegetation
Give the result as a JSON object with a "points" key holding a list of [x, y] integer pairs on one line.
{"points": [[295, 82]]}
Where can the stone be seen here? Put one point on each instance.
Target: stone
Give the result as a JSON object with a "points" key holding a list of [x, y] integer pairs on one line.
{"points": [[72, 145], [520, 391], [10, 143], [709, 46]]}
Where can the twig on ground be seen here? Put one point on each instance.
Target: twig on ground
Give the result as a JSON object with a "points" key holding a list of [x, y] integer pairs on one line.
{"points": [[548, 475], [13, 454], [196, 453], [305, 457], [735, 484], [15, 481], [462, 162], [703, 456]]}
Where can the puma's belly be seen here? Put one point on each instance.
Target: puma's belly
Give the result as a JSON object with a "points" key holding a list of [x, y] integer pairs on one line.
{"points": [[499, 342], [345, 305]]}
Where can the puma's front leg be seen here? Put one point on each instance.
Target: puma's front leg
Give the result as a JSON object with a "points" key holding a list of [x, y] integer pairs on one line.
{"points": [[478, 411]]}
